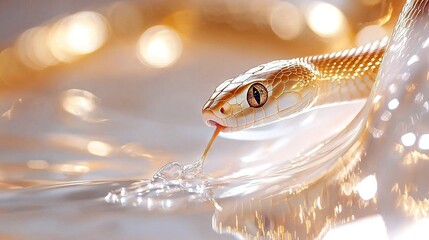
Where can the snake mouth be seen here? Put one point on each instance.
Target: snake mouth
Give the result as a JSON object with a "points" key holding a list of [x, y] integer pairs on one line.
{"points": [[212, 121]]}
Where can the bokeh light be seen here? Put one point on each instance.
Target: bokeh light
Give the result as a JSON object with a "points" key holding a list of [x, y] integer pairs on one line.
{"points": [[78, 34], [86, 32], [367, 188], [325, 19], [286, 21], [159, 46], [393, 104], [408, 139], [424, 142], [33, 50]]}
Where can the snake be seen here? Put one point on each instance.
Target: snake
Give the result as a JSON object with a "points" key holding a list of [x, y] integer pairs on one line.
{"points": [[284, 88]]}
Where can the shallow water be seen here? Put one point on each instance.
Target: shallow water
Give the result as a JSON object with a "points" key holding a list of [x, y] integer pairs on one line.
{"points": [[77, 144]]}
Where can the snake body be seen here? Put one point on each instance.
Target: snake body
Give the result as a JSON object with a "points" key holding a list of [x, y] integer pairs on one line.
{"points": [[284, 88]]}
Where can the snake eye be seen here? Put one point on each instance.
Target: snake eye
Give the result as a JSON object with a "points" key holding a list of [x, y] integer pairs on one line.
{"points": [[257, 95]]}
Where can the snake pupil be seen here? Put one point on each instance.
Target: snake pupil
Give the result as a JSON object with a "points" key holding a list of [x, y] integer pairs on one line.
{"points": [[256, 95]]}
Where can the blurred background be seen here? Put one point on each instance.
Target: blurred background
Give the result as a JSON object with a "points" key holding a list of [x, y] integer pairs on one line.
{"points": [[112, 90]]}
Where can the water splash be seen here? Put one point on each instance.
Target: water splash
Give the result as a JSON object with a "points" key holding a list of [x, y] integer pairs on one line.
{"points": [[172, 186]]}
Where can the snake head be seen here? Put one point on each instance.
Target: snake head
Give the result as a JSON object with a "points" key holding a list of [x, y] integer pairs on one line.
{"points": [[261, 95]]}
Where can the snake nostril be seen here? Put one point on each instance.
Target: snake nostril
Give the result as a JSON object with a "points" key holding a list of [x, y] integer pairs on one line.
{"points": [[222, 110]]}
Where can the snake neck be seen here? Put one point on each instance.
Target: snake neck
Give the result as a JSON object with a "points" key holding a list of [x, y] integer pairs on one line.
{"points": [[347, 75]]}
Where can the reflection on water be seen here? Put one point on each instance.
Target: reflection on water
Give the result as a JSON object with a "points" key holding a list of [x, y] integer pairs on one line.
{"points": [[99, 148], [115, 119], [80, 103]]}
